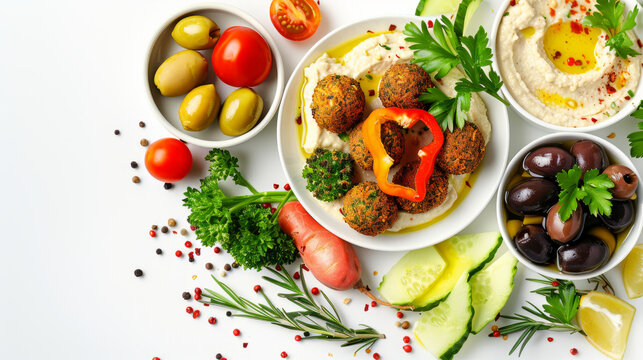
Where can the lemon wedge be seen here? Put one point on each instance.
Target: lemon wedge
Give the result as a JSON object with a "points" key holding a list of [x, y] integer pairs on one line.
{"points": [[633, 273], [606, 320]]}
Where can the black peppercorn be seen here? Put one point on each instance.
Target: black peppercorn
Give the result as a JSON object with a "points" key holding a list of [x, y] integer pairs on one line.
{"points": [[133, 164], [159, 251], [117, 132], [219, 356], [306, 334], [235, 265], [164, 229], [155, 227], [191, 259], [186, 295], [138, 272], [168, 186], [228, 313], [141, 124], [209, 266], [227, 267]]}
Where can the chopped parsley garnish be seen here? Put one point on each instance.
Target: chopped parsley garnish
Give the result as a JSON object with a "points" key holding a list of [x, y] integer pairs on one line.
{"points": [[630, 93], [343, 136], [636, 137], [385, 47], [369, 76], [593, 190], [444, 48], [609, 17]]}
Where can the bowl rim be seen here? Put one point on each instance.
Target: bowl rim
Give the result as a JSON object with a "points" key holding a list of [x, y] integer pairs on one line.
{"points": [[295, 76], [626, 245], [277, 60], [624, 112]]}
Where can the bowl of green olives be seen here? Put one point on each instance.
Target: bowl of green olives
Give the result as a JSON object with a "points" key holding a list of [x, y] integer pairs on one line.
{"points": [[568, 207], [213, 75]]}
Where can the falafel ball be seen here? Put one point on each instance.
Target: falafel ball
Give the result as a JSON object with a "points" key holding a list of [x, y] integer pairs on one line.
{"points": [[402, 85], [436, 191], [368, 210], [463, 150], [392, 136], [338, 103]]}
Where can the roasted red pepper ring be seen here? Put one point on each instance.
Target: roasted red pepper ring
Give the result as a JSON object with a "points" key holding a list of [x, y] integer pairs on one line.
{"points": [[382, 162]]}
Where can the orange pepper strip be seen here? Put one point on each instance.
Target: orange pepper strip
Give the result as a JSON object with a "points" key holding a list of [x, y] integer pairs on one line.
{"points": [[382, 162]]}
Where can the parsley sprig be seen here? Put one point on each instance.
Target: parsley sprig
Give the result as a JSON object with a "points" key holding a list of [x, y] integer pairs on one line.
{"points": [[636, 137], [609, 17], [558, 314], [445, 48], [591, 189], [244, 228], [311, 316]]}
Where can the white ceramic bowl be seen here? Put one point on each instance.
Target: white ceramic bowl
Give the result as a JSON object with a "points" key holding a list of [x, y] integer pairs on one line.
{"points": [[163, 46], [617, 157], [627, 108], [293, 161]]}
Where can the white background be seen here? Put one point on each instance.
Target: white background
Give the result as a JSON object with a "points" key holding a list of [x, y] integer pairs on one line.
{"points": [[74, 227]]}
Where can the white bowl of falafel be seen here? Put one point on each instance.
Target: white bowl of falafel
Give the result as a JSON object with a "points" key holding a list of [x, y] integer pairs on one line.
{"points": [[325, 141]]}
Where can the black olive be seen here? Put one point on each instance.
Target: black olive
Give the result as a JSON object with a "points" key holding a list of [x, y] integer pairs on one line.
{"points": [[533, 242], [548, 161], [583, 255], [621, 217], [589, 155], [624, 179], [564, 231], [532, 197]]}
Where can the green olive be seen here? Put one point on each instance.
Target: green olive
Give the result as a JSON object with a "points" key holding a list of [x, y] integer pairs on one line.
{"points": [[196, 33], [199, 108], [181, 72], [240, 112]]}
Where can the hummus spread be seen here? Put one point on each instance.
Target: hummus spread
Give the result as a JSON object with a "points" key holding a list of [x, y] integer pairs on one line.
{"points": [[560, 70], [367, 62]]}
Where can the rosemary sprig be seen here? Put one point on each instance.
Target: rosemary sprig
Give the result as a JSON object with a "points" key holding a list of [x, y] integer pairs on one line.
{"points": [[558, 314], [311, 316]]}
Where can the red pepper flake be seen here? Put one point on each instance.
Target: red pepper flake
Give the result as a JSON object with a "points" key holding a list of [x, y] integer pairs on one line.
{"points": [[192, 227], [197, 251], [197, 297], [572, 12], [600, 101], [296, 275], [397, 56], [198, 291], [406, 339], [174, 232], [430, 24], [196, 314], [297, 337], [303, 266], [376, 356], [371, 92], [573, 351], [265, 205], [574, 3], [245, 345], [275, 186], [594, 120], [236, 332], [188, 244], [257, 288], [587, 61], [189, 310], [287, 187], [512, 3], [610, 89], [191, 254], [578, 63], [612, 76], [217, 249], [369, 31], [373, 303], [407, 348], [577, 28], [627, 97], [550, 339], [178, 253], [557, 55], [314, 291], [206, 305], [156, 358], [555, 283], [284, 354], [365, 307], [639, 43], [392, 27], [467, 183], [152, 233], [586, 30], [583, 8], [496, 333], [278, 268], [401, 47], [552, 12], [399, 315], [341, 211], [570, 61], [298, 120]]}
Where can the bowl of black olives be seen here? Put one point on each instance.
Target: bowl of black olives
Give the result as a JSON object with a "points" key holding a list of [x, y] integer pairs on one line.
{"points": [[568, 206]]}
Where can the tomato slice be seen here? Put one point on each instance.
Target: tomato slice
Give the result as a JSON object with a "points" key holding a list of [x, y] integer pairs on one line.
{"points": [[295, 19]]}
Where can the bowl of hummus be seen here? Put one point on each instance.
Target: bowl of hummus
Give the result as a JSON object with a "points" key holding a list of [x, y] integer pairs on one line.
{"points": [[561, 73], [361, 56]]}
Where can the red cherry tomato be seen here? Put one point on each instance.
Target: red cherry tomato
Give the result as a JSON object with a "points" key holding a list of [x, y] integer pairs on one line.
{"points": [[295, 19], [168, 160], [241, 58]]}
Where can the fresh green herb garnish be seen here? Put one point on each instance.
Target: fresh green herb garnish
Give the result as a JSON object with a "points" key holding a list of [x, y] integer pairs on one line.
{"points": [[343, 136], [369, 76], [630, 93], [385, 47], [444, 48], [636, 137], [592, 190], [609, 17], [244, 228], [328, 174], [311, 316], [558, 314]]}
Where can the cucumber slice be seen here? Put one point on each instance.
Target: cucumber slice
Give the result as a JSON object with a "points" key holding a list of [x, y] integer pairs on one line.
{"points": [[463, 254], [491, 288], [444, 329], [437, 7], [412, 275]]}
